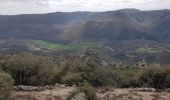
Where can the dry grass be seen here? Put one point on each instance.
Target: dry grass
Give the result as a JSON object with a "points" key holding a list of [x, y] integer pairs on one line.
{"points": [[54, 94], [104, 93], [133, 94]]}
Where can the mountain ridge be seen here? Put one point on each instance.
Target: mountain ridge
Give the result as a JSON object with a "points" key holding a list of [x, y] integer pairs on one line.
{"points": [[124, 24]]}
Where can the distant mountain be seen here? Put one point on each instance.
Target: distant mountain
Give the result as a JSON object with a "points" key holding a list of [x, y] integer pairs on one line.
{"points": [[124, 24]]}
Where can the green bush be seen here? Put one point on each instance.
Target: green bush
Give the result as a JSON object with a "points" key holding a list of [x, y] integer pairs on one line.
{"points": [[89, 91], [126, 78], [103, 77], [71, 79], [154, 77], [6, 85], [81, 69], [29, 69], [86, 88], [167, 80]]}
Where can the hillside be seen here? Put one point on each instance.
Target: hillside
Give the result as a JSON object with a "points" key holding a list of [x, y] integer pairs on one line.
{"points": [[125, 24]]}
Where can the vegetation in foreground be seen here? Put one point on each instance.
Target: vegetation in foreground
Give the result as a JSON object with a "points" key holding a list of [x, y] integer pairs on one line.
{"points": [[6, 85], [29, 69]]}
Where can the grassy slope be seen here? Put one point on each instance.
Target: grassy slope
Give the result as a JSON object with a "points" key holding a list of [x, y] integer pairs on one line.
{"points": [[56, 46]]}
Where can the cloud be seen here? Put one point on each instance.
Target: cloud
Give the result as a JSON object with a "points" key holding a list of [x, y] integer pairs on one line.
{"points": [[72, 3], [44, 6], [93, 4], [18, 0], [68, 3]]}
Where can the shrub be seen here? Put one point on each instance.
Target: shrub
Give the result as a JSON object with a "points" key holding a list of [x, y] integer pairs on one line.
{"points": [[81, 69], [6, 85], [104, 77], [89, 91], [29, 69], [72, 94], [154, 77], [86, 88], [71, 79], [127, 78], [167, 80]]}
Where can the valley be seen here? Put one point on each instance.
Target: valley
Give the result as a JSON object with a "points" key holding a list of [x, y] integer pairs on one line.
{"points": [[110, 55]]}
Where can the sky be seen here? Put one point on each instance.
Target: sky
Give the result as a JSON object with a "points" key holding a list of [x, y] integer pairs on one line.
{"points": [[13, 7]]}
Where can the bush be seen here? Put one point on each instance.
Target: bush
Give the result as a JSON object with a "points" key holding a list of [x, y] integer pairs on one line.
{"points": [[104, 77], [72, 94], [77, 70], [6, 85], [71, 79], [29, 69], [127, 78], [167, 80], [89, 91], [154, 77]]}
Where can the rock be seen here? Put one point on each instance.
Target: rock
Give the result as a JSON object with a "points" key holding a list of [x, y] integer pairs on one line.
{"points": [[40, 89], [145, 89], [79, 96], [99, 91], [74, 86], [167, 90], [51, 87], [62, 86], [16, 88], [46, 87], [57, 85], [26, 88], [152, 90]]}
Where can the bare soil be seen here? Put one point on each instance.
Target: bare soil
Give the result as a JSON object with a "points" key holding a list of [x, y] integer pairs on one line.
{"points": [[104, 93]]}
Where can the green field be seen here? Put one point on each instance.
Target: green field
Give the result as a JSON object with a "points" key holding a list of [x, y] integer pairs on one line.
{"points": [[57, 46], [147, 49]]}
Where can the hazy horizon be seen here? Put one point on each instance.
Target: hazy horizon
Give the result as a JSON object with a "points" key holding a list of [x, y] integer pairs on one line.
{"points": [[15, 7], [81, 11]]}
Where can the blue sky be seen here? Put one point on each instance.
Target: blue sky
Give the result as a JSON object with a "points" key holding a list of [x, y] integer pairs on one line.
{"points": [[12, 7]]}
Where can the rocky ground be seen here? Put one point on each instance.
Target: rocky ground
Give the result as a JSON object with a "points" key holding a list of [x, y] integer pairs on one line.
{"points": [[132, 94], [103, 93]]}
